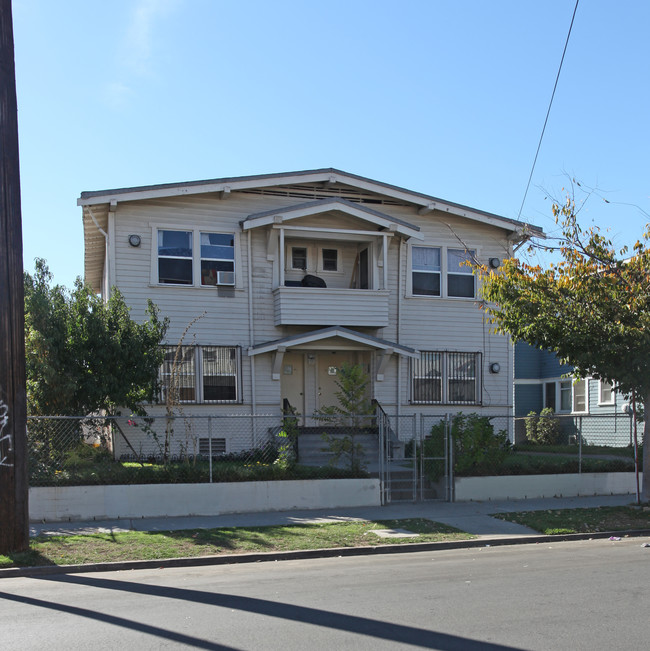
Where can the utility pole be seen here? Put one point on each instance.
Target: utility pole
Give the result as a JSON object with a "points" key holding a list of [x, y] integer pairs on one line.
{"points": [[14, 519]]}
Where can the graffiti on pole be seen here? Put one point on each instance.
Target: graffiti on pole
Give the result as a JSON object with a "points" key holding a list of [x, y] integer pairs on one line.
{"points": [[5, 439]]}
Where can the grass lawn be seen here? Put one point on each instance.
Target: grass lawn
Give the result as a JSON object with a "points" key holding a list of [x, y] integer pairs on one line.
{"points": [[604, 518], [135, 545]]}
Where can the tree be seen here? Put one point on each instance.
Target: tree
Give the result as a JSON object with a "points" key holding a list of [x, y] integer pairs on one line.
{"points": [[84, 355], [351, 413], [592, 308]]}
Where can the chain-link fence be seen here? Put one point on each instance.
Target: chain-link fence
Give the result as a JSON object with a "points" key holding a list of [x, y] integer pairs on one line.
{"points": [[416, 456], [193, 449]]}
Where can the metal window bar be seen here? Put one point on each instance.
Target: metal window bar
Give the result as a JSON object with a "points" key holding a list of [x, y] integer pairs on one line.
{"points": [[220, 373], [178, 374]]}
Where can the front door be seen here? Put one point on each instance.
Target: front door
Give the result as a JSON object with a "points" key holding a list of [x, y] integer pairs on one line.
{"points": [[328, 367], [293, 380]]}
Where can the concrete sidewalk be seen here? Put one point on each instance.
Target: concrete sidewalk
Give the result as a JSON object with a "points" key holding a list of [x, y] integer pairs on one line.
{"points": [[471, 517]]}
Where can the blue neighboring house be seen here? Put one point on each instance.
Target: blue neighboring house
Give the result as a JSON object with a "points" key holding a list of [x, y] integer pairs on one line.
{"points": [[541, 380]]}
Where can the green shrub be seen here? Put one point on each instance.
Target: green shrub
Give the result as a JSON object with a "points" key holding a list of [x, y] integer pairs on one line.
{"points": [[477, 448], [85, 456], [543, 429]]}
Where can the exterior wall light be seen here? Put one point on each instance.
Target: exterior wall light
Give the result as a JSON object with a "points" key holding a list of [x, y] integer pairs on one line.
{"points": [[134, 240]]}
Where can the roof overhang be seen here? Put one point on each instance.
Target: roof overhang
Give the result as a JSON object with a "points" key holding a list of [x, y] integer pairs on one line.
{"points": [[328, 176], [378, 219], [95, 223], [301, 340], [315, 337]]}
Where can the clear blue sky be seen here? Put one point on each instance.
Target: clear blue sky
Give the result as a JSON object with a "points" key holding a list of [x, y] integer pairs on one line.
{"points": [[442, 97]]}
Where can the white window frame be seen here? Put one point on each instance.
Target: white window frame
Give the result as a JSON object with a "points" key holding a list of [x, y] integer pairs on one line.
{"points": [[612, 394], [573, 396], [196, 256], [558, 386], [320, 266], [228, 277], [464, 272], [446, 378], [235, 352], [433, 272], [174, 257], [197, 376], [444, 272]]}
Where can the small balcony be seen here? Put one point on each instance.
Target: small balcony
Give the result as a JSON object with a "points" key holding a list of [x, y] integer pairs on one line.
{"points": [[325, 306]]}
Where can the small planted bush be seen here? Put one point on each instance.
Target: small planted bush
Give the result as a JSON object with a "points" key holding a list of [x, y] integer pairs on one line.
{"points": [[477, 448], [543, 429]]}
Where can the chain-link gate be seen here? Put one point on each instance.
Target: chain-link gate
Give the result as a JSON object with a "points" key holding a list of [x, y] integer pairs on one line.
{"points": [[415, 458]]}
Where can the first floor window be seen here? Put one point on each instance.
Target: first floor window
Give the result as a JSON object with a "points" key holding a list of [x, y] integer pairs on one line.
{"points": [[549, 396], [200, 374], [219, 373], [580, 396], [565, 395], [606, 396], [440, 377], [427, 378], [461, 377], [178, 374]]}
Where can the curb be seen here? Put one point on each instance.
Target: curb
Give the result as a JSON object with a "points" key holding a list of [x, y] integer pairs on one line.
{"points": [[259, 557]]}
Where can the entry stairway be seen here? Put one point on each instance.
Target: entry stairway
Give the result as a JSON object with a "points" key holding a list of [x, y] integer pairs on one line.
{"points": [[401, 478]]}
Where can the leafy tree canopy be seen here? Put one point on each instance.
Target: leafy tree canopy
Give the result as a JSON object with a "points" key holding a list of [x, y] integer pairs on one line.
{"points": [[85, 355], [592, 308]]}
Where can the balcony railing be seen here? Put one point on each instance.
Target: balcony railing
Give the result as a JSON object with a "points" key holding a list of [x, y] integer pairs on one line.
{"points": [[327, 306]]}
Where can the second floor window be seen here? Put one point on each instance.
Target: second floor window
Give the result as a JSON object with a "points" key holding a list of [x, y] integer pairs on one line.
{"points": [[438, 271], [426, 271], [460, 279], [217, 259], [193, 257], [175, 257]]}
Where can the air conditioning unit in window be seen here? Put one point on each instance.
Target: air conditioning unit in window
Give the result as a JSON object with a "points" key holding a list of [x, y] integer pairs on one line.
{"points": [[226, 278]]}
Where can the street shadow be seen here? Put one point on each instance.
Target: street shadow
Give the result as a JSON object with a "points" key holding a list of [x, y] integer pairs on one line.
{"points": [[373, 628]]}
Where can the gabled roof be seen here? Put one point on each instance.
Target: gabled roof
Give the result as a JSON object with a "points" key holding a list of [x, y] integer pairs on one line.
{"points": [[325, 205], [329, 175], [321, 183], [328, 333]]}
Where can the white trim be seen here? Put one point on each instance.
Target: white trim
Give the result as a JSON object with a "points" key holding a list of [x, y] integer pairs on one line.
{"points": [[573, 396], [307, 177], [612, 401], [196, 232], [283, 215], [444, 272], [319, 257]]}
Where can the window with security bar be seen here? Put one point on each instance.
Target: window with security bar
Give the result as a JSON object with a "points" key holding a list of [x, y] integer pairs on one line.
{"points": [[178, 374], [201, 374], [219, 372], [441, 377]]}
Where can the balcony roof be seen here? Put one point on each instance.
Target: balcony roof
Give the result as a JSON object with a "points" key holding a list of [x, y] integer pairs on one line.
{"points": [[379, 219], [327, 333]]}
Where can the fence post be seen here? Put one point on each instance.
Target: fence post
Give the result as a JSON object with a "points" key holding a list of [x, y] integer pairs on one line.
{"points": [[210, 445], [579, 444], [418, 475], [449, 444]]}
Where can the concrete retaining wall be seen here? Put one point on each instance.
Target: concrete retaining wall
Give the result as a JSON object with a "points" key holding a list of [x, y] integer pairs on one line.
{"points": [[159, 500], [518, 487]]}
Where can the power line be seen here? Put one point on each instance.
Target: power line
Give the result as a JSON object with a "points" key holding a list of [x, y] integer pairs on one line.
{"points": [[557, 78]]}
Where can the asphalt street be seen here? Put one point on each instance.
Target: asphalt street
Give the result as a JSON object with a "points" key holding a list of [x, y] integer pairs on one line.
{"points": [[578, 595]]}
